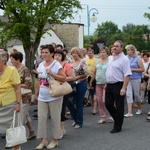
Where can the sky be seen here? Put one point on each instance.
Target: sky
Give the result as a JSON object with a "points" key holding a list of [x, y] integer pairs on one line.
{"points": [[120, 12]]}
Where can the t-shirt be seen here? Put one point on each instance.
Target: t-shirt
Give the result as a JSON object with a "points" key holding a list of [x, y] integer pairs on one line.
{"points": [[43, 78], [90, 63], [101, 72], [9, 78]]}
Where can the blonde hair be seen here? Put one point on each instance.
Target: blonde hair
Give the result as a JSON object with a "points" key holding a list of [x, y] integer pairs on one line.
{"points": [[3, 56], [76, 50], [131, 47]]}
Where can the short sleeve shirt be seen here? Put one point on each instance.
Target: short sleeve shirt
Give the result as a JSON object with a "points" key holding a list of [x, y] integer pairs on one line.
{"points": [[101, 72], [43, 78], [9, 78]]}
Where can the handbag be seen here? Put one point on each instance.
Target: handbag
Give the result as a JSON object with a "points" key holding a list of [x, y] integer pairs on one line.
{"points": [[15, 135], [57, 88], [25, 91]]}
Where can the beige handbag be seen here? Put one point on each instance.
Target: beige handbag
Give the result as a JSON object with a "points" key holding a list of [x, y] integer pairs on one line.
{"points": [[57, 88]]}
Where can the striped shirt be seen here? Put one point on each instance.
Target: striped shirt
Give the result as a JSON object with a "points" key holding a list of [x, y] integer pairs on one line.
{"points": [[118, 68]]}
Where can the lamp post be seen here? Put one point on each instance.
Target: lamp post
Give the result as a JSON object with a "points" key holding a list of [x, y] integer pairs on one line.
{"points": [[93, 18]]}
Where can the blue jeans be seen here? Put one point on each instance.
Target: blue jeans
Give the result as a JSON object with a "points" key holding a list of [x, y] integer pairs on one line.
{"points": [[80, 92]]}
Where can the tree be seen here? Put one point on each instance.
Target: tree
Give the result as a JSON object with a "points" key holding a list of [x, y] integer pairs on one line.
{"points": [[147, 15], [128, 28], [106, 30], [28, 20], [134, 34]]}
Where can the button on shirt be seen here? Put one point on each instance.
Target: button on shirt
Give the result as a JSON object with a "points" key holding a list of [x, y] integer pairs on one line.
{"points": [[118, 68]]}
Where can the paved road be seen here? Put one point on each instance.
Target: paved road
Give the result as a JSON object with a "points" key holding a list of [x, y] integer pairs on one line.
{"points": [[134, 136]]}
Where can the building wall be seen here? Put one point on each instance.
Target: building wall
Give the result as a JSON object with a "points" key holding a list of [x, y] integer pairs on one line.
{"points": [[70, 34]]}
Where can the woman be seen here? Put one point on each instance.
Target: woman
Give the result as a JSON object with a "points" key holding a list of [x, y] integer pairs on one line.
{"points": [[46, 103], [133, 87], [145, 76], [79, 66], [16, 58], [99, 74], [70, 77], [10, 94]]}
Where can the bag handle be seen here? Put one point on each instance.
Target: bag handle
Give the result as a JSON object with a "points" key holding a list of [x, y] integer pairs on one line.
{"points": [[53, 63], [19, 123]]}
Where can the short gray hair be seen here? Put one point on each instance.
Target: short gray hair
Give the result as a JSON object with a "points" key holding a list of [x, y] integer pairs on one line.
{"points": [[3, 56], [131, 47]]}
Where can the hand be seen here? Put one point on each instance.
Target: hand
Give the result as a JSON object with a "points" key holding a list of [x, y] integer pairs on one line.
{"points": [[90, 83], [148, 86], [35, 99], [35, 71], [17, 107], [122, 92], [49, 72]]}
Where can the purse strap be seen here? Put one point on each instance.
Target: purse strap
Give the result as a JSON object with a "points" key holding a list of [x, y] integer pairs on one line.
{"points": [[53, 63], [19, 123]]}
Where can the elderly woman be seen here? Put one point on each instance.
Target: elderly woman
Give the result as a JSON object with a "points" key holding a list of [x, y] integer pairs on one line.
{"points": [[133, 87], [46, 103], [16, 58], [80, 68], [70, 77], [10, 94]]}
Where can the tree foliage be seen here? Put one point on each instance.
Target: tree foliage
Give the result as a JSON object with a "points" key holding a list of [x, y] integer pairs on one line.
{"points": [[130, 34], [147, 15], [106, 30], [27, 20]]}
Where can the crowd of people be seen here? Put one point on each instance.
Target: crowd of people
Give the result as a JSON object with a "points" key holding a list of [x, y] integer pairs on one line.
{"points": [[104, 82]]}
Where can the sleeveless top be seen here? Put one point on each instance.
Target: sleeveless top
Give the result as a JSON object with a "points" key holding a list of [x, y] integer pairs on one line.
{"points": [[134, 64]]}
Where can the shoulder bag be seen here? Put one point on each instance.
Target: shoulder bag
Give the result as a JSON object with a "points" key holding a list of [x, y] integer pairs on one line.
{"points": [[57, 88]]}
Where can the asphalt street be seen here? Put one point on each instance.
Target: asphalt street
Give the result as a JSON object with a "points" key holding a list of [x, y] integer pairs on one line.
{"points": [[135, 134]]}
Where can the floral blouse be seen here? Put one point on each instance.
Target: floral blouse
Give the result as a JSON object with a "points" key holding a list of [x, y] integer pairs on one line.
{"points": [[81, 69], [25, 78]]}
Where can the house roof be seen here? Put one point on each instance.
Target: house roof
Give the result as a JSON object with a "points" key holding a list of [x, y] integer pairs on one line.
{"points": [[13, 42]]}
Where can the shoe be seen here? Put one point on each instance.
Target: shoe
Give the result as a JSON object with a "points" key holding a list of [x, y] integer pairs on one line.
{"points": [[73, 124], [148, 113], [101, 121], [3, 136], [52, 145], [62, 134], [148, 118], [35, 110], [77, 126], [68, 113], [41, 146], [94, 112], [139, 112], [111, 120], [115, 130], [88, 104], [128, 115], [30, 137], [35, 116]]}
